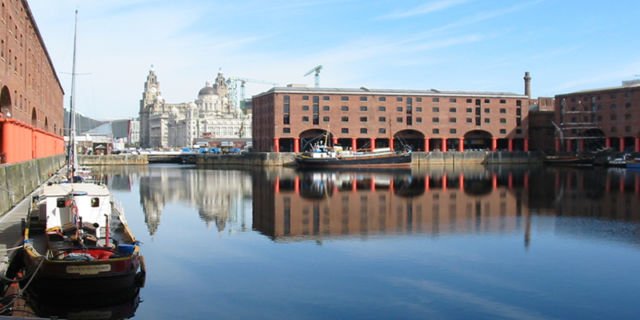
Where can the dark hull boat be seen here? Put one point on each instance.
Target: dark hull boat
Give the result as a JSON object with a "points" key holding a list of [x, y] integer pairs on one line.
{"points": [[380, 158], [568, 160]]}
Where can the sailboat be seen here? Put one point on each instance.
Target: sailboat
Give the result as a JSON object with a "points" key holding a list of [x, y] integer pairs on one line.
{"points": [[76, 237]]}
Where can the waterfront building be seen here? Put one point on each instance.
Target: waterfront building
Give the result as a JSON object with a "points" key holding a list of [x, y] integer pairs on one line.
{"points": [[292, 118], [599, 118], [211, 117], [31, 96]]}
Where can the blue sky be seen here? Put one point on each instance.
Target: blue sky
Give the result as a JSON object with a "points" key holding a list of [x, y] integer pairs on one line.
{"points": [[471, 45]]}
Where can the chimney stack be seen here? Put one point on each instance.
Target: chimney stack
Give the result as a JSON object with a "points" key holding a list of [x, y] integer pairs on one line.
{"points": [[527, 84]]}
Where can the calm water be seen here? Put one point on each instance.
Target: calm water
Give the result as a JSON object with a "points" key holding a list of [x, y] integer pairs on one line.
{"points": [[473, 243]]}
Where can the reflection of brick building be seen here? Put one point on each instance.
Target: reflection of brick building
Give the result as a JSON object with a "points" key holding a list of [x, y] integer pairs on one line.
{"points": [[288, 118], [599, 118], [31, 112], [317, 205]]}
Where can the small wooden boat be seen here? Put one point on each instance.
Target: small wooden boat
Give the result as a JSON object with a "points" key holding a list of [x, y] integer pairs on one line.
{"points": [[336, 157], [77, 237], [568, 160]]}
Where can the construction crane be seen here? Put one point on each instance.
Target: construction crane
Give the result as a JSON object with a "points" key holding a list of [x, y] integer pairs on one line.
{"points": [[317, 74], [232, 82]]}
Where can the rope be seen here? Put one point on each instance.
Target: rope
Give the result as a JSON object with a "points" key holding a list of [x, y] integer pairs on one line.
{"points": [[32, 277], [11, 249]]}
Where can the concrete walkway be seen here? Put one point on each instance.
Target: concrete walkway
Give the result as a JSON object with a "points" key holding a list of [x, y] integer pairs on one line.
{"points": [[11, 229]]}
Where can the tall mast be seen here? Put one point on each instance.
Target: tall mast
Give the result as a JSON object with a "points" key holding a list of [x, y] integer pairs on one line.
{"points": [[71, 154]]}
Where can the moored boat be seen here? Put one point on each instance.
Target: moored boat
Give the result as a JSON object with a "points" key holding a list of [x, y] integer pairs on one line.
{"points": [[568, 160], [633, 164], [77, 237], [322, 156]]}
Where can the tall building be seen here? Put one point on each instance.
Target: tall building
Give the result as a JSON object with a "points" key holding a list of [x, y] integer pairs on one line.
{"points": [[599, 118], [31, 107], [211, 117], [290, 118]]}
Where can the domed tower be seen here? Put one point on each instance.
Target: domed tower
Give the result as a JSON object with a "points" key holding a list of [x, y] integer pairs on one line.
{"points": [[148, 105], [220, 86]]}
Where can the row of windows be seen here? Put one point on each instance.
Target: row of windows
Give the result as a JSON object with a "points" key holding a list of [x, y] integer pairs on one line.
{"points": [[597, 107], [409, 100], [287, 109], [612, 95], [382, 119], [384, 130]]}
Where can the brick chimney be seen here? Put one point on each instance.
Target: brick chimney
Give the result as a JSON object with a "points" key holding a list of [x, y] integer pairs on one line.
{"points": [[527, 84]]}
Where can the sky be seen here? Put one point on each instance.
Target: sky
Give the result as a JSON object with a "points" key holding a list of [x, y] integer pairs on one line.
{"points": [[466, 45]]}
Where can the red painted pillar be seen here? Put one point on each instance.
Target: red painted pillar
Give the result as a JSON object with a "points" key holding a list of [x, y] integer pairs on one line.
{"points": [[426, 144], [461, 180], [391, 144], [354, 185], [296, 144], [392, 185], [444, 182], [444, 144], [494, 144], [637, 148], [526, 145], [557, 145], [460, 144], [373, 184], [580, 145], [427, 185], [296, 185], [607, 142], [276, 145], [334, 140], [354, 144], [510, 144], [373, 143], [621, 144]]}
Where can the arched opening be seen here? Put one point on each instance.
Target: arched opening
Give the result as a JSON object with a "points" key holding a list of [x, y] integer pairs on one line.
{"points": [[5, 102], [313, 137], [34, 118], [594, 139], [477, 139], [409, 139]]}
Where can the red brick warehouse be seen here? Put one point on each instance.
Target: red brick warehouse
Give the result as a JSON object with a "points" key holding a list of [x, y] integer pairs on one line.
{"points": [[290, 119], [599, 118], [31, 109]]}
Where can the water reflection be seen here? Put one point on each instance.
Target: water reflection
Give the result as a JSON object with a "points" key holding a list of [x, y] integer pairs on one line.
{"points": [[289, 204], [441, 200], [113, 305]]}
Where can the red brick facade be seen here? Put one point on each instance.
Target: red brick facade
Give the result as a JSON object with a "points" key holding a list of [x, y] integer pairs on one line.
{"points": [[290, 118], [599, 118], [31, 117]]}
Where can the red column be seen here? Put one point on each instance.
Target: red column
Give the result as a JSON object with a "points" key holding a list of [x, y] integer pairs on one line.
{"points": [[296, 185], [494, 144], [354, 185], [637, 149], [444, 182], [607, 142], [580, 145], [373, 143], [526, 144], [621, 144], [461, 179], [427, 186], [296, 144], [334, 140], [510, 144], [426, 144], [391, 144], [460, 144], [557, 145], [276, 145], [373, 184], [354, 144], [444, 144]]}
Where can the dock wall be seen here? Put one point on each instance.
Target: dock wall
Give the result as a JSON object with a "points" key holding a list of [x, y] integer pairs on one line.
{"points": [[251, 159], [17, 180], [113, 159]]}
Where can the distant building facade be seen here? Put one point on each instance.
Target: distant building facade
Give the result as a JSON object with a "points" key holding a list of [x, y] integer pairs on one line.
{"points": [[31, 106], [211, 117], [291, 119], [599, 118]]}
